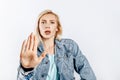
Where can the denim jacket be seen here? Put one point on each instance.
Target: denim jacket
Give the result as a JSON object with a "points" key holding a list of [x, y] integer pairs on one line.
{"points": [[68, 58]]}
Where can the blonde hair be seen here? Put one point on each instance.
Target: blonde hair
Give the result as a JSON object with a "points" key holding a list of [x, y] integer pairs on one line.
{"points": [[58, 33]]}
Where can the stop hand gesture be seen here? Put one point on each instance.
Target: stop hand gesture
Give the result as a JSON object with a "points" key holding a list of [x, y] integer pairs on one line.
{"points": [[28, 55]]}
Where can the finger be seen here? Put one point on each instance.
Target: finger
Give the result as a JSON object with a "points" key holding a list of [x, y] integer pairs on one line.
{"points": [[35, 43], [40, 59], [31, 41], [28, 43], [23, 46], [42, 56], [23, 49]]}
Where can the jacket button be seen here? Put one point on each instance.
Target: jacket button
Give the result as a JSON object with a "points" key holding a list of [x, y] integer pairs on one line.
{"points": [[42, 75], [46, 62]]}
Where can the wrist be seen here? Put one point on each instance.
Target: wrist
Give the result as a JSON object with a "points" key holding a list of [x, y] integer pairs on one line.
{"points": [[26, 69]]}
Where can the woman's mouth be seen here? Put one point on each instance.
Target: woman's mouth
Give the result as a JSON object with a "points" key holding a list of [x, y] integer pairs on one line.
{"points": [[47, 32]]}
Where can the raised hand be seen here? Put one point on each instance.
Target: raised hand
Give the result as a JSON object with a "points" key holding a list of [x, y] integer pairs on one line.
{"points": [[28, 55]]}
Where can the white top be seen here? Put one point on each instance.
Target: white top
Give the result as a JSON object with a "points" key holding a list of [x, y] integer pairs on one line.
{"points": [[52, 73]]}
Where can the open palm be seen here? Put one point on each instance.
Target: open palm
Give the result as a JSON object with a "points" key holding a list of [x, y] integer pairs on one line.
{"points": [[28, 55]]}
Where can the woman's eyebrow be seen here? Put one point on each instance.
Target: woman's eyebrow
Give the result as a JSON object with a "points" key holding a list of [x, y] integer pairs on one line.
{"points": [[49, 20], [52, 20], [43, 20]]}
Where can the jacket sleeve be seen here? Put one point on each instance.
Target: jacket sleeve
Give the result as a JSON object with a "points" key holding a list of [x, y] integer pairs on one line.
{"points": [[23, 74], [81, 64]]}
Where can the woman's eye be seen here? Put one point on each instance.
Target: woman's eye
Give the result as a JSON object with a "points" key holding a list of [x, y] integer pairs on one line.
{"points": [[52, 22], [43, 22]]}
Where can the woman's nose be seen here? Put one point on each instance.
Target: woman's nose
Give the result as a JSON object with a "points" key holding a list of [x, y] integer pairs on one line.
{"points": [[47, 25]]}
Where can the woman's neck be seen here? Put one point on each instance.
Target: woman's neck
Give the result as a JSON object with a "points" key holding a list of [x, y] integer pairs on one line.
{"points": [[49, 45]]}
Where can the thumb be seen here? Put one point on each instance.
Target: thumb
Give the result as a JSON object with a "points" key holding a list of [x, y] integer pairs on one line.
{"points": [[42, 56]]}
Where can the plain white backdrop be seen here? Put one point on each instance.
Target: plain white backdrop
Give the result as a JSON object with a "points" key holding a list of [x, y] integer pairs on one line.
{"points": [[93, 24]]}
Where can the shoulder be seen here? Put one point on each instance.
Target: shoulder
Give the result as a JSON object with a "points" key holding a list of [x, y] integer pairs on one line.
{"points": [[69, 41], [68, 44], [66, 41]]}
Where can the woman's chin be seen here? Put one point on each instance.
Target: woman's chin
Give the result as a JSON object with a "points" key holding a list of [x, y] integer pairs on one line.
{"points": [[47, 37]]}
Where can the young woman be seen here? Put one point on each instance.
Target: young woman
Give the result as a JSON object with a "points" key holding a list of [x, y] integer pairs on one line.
{"points": [[45, 56]]}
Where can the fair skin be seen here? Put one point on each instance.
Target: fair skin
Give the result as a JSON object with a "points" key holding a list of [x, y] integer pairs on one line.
{"points": [[48, 27]]}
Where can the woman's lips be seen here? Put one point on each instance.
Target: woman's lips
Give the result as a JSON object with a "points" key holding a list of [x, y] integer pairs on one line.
{"points": [[47, 32]]}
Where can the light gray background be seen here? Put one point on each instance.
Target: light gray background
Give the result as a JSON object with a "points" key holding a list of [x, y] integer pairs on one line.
{"points": [[93, 24]]}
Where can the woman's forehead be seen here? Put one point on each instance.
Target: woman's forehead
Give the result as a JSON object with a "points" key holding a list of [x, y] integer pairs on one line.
{"points": [[49, 16]]}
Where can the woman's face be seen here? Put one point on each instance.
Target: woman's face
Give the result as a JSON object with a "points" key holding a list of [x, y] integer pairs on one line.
{"points": [[48, 26]]}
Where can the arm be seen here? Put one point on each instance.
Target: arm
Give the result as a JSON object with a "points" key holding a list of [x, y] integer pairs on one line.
{"points": [[81, 64]]}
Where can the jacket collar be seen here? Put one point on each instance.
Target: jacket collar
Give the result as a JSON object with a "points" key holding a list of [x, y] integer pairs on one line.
{"points": [[57, 43], [58, 47], [40, 47]]}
